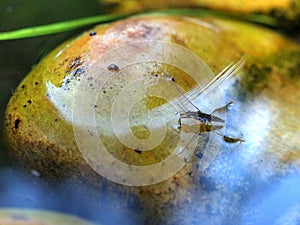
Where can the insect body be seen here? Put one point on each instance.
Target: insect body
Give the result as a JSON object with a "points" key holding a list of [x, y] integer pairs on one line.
{"points": [[207, 120], [203, 117], [206, 123]]}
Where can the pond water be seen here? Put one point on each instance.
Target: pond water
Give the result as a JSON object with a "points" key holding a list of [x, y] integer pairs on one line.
{"points": [[242, 186]]}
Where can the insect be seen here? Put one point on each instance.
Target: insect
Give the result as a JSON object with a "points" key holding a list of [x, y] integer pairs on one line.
{"points": [[206, 125], [207, 120]]}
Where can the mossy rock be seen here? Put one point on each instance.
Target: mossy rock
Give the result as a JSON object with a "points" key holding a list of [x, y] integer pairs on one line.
{"points": [[285, 12], [39, 131]]}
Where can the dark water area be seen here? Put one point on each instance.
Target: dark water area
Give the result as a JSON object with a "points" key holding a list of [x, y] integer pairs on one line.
{"points": [[229, 192]]}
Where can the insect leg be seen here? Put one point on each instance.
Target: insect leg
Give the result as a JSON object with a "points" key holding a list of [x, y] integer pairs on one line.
{"points": [[180, 101], [222, 109], [179, 121], [194, 137], [230, 139], [182, 115], [225, 74]]}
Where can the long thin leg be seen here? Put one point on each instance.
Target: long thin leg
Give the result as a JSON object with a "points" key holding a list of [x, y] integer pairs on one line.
{"points": [[179, 121], [229, 139], [222, 109], [232, 140], [182, 115], [183, 95]]}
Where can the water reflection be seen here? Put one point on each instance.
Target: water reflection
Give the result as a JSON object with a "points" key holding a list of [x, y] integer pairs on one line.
{"points": [[230, 193], [223, 195], [21, 190], [274, 203], [244, 185]]}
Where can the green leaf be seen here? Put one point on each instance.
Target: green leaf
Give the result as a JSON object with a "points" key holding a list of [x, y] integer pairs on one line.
{"points": [[58, 27], [74, 24]]}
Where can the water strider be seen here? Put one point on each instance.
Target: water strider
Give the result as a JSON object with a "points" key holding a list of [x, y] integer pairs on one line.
{"points": [[206, 120]]}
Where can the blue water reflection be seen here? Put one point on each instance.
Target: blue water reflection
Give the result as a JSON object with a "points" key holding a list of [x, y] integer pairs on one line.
{"points": [[273, 201], [21, 190]]}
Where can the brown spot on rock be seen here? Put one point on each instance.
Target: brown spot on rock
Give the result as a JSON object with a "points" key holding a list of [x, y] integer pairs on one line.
{"points": [[17, 122]]}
